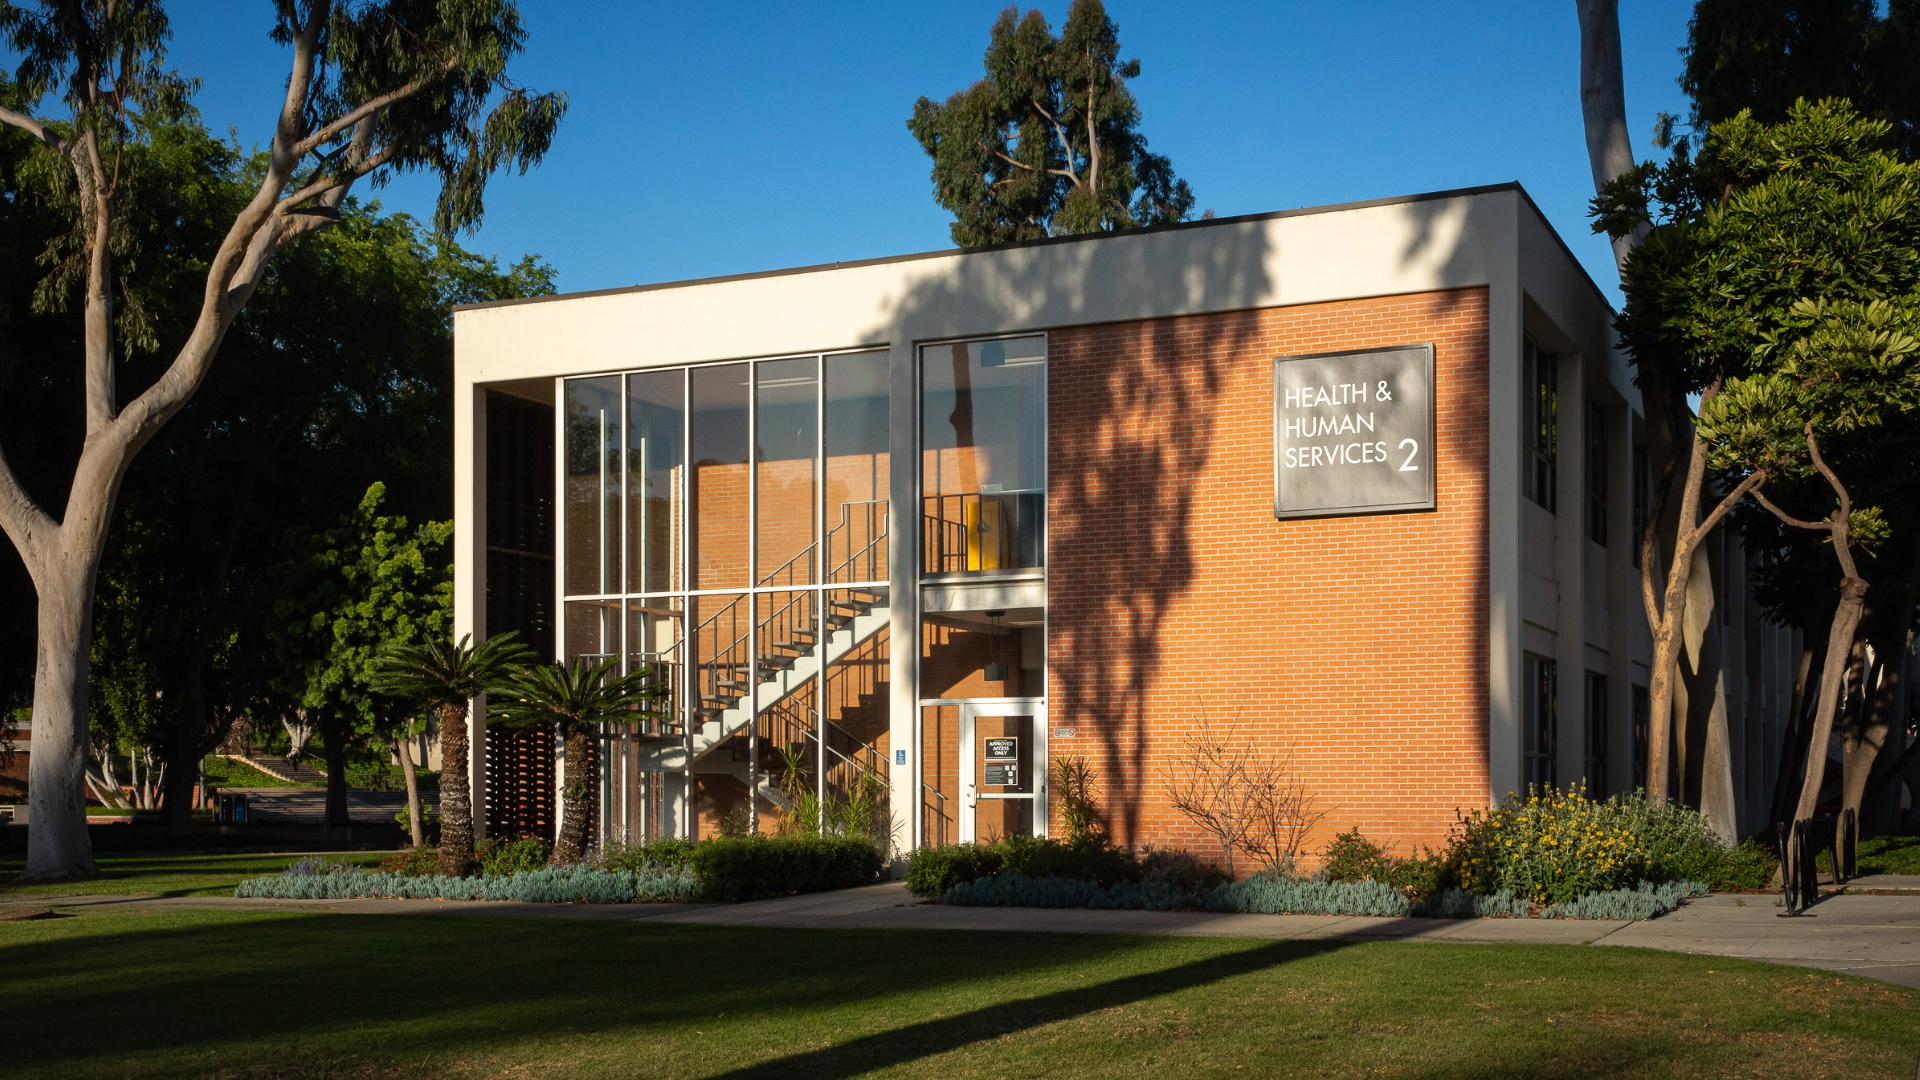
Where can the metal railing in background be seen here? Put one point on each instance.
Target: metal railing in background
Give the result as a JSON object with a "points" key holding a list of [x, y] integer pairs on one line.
{"points": [[939, 827], [983, 532]]}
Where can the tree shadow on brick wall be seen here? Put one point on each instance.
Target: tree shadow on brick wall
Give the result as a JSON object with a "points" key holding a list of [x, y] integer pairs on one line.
{"points": [[1134, 423]]}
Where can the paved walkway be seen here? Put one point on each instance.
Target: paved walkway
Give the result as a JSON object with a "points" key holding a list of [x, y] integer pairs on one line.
{"points": [[1877, 936]]}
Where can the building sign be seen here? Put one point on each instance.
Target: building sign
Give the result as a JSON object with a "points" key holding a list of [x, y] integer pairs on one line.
{"points": [[1353, 432], [1003, 763]]}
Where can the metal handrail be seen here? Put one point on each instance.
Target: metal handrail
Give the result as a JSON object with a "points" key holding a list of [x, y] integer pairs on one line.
{"points": [[955, 545]]}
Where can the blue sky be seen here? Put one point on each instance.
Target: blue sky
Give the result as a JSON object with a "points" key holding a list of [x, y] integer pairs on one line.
{"points": [[719, 138]]}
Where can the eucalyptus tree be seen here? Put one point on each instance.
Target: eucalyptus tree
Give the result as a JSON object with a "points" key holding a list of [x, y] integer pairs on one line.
{"points": [[1048, 143], [374, 88], [444, 675], [576, 701]]}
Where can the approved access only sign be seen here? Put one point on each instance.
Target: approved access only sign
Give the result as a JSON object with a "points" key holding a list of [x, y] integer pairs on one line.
{"points": [[1353, 432]]}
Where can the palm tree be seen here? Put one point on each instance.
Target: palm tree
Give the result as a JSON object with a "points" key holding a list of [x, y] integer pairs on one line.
{"points": [[443, 674], [576, 701]]}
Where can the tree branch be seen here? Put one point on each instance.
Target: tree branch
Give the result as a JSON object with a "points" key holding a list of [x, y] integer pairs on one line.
{"points": [[1603, 106], [21, 518], [1843, 514], [32, 127], [1749, 485], [346, 120], [1789, 519], [1066, 148]]}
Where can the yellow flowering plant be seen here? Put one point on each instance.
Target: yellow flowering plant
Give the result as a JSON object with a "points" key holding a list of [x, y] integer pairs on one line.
{"points": [[1550, 847]]}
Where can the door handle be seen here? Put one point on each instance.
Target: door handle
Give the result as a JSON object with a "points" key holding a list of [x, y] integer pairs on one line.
{"points": [[971, 795]]}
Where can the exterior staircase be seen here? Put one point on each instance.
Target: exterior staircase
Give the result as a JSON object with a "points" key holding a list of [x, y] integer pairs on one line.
{"points": [[280, 768], [750, 666]]}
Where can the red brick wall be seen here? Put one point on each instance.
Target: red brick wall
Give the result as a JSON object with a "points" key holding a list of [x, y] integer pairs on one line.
{"points": [[1357, 645]]}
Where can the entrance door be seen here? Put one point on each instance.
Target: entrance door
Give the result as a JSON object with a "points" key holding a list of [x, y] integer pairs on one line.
{"points": [[1003, 769]]}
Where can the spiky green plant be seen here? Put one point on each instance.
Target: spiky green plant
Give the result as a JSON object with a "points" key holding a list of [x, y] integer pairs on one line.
{"points": [[446, 675], [576, 701]]}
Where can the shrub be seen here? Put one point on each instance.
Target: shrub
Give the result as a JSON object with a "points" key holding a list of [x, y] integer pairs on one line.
{"points": [[933, 871], [501, 858], [1179, 870], [669, 853], [1644, 901], [1088, 860], [314, 865], [1353, 857], [1747, 868], [1549, 848], [412, 862], [1274, 894], [1018, 890], [551, 885], [734, 869], [1457, 903], [1075, 788], [1678, 843]]}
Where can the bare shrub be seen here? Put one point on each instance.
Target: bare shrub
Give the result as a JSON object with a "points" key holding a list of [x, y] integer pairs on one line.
{"points": [[1251, 804]]}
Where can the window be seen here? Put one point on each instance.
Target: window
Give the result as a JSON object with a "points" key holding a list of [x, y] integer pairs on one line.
{"points": [[1539, 681], [1642, 710], [1596, 755], [1642, 498], [983, 462], [1597, 475], [1541, 385]]}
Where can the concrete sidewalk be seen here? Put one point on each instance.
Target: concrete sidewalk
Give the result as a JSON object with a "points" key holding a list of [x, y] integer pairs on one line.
{"points": [[1874, 936]]}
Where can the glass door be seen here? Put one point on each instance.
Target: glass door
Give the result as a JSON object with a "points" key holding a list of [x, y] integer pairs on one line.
{"points": [[1003, 769]]}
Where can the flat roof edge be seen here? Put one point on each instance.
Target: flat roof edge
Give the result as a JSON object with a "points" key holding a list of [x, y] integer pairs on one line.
{"points": [[1272, 215]]}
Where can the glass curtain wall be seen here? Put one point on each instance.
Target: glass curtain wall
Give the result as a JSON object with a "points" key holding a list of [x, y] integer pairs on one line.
{"points": [[983, 506], [707, 511]]}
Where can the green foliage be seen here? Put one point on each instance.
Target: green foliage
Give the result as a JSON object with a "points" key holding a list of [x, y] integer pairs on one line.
{"points": [[1676, 841], [504, 858], [1019, 890], [1353, 857], [1557, 844], [1552, 846], [1048, 143], [671, 852], [576, 698], [1643, 901], [410, 862], [435, 670], [551, 885], [1457, 903], [1747, 868], [1075, 787], [1279, 894], [933, 871], [735, 869]]}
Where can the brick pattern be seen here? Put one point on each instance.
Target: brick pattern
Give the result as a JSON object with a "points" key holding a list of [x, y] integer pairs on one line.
{"points": [[1177, 602]]}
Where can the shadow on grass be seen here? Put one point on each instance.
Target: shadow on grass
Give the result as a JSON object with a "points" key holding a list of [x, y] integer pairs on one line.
{"points": [[415, 990]]}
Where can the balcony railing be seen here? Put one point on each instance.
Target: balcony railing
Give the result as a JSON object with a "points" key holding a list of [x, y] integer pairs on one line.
{"points": [[983, 532]]}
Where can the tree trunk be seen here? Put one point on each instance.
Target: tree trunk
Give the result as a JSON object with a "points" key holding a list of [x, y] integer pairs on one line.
{"points": [[414, 825], [456, 797], [58, 848], [1883, 711], [1846, 622], [335, 755], [577, 796]]}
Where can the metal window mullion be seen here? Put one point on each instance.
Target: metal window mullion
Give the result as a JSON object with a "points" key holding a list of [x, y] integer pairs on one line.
{"points": [[752, 601], [687, 671], [820, 584]]}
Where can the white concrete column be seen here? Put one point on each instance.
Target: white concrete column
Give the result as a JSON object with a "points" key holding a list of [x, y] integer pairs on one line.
{"points": [[903, 596], [469, 567], [1569, 560], [1624, 606], [1505, 339]]}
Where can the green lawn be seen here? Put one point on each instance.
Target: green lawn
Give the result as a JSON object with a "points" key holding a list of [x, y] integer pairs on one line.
{"points": [[196, 993], [164, 873]]}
